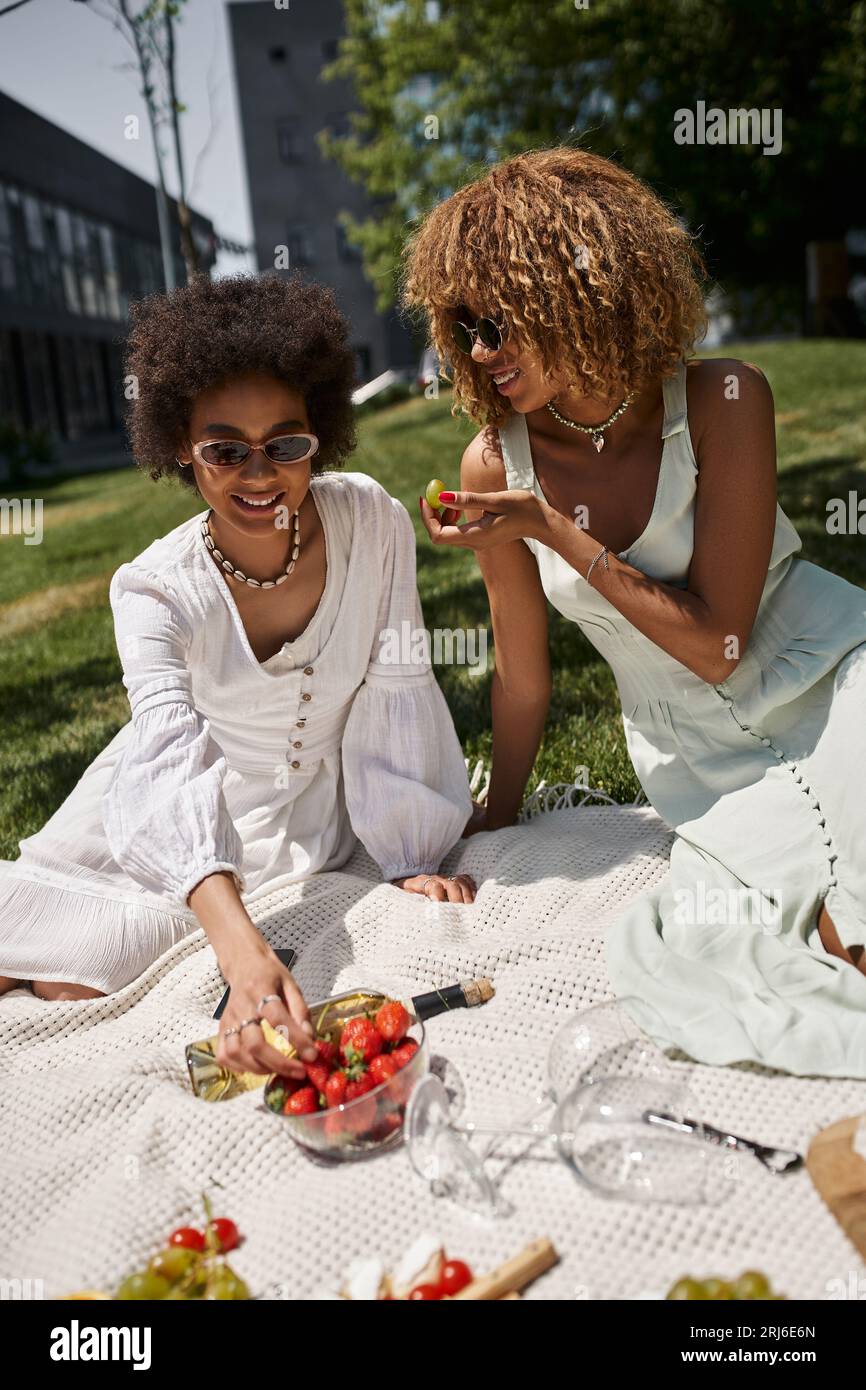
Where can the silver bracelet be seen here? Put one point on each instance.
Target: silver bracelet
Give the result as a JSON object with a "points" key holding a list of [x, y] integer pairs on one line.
{"points": [[602, 555]]}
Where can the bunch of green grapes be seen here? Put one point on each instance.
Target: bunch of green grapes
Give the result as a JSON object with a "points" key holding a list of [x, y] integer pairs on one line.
{"points": [[191, 1265], [750, 1286]]}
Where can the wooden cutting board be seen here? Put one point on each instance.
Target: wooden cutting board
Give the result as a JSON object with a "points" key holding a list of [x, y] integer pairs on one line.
{"points": [[840, 1176]]}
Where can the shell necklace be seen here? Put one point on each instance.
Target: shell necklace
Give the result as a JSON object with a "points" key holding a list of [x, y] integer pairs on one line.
{"points": [[596, 431], [238, 574]]}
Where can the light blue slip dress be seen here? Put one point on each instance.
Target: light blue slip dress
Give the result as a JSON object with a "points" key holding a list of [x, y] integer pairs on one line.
{"points": [[763, 780]]}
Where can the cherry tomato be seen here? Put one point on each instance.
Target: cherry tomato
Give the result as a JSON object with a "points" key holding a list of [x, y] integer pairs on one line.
{"points": [[424, 1293], [454, 1277], [227, 1234], [188, 1237]]}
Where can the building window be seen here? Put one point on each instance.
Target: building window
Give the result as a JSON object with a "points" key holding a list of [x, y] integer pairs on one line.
{"points": [[278, 55], [363, 362], [337, 122], [40, 385], [345, 250], [300, 245], [51, 255], [33, 223], [7, 258], [330, 49], [10, 400], [289, 140]]}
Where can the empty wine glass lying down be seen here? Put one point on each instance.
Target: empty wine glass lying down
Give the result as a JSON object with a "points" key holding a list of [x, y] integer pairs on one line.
{"points": [[616, 1111]]}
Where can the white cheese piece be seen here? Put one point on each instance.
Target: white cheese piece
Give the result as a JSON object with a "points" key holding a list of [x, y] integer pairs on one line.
{"points": [[364, 1279], [421, 1264]]}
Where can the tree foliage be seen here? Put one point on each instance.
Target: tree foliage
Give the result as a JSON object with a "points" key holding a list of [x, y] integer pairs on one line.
{"points": [[445, 89]]}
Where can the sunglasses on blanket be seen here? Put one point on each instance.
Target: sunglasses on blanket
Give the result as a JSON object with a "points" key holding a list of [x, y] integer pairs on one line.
{"points": [[230, 453]]}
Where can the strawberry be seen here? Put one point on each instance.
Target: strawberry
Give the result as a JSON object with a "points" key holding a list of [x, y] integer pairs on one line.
{"points": [[302, 1102], [405, 1052], [327, 1051], [318, 1073], [361, 1117], [360, 1087], [382, 1068], [385, 1125], [335, 1128], [360, 1040], [335, 1089], [393, 1021]]}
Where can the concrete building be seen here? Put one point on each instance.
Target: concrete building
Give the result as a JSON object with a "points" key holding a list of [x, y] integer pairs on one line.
{"points": [[79, 239], [295, 193]]}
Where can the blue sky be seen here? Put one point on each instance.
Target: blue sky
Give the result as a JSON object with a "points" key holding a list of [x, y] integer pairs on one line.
{"points": [[65, 61]]}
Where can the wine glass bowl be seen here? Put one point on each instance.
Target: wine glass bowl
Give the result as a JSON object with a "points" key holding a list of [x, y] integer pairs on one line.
{"points": [[358, 1128], [605, 1041], [617, 1135]]}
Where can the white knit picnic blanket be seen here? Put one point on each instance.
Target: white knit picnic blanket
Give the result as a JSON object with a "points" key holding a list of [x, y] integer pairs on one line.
{"points": [[105, 1148]]}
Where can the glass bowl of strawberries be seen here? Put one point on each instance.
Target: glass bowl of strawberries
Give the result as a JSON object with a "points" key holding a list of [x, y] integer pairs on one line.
{"points": [[372, 1052]]}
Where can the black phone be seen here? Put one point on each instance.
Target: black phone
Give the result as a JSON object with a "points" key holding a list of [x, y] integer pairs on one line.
{"points": [[286, 957]]}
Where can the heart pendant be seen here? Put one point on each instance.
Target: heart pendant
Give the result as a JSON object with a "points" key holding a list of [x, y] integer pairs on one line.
{"points": [[598, 441]]}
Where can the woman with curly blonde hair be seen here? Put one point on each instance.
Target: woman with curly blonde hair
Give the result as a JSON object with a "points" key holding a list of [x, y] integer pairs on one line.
{"points": [[635, 488]]}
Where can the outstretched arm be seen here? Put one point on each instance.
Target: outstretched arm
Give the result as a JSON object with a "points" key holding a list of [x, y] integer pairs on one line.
{"points": [[518, 611]]}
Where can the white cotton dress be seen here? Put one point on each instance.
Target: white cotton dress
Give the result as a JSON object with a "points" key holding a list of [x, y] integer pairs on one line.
{"points": [[761, 777], [271, 770]]}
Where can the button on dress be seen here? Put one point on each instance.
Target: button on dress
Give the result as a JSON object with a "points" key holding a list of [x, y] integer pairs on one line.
{"points": [[270, 770], [761, 777]]}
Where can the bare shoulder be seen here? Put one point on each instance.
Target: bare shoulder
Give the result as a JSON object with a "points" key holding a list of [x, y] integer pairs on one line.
{"points": [[726, 392], [482, 467]]}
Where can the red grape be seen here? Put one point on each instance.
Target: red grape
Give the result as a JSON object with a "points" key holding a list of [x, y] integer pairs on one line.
{"points": [[188, 1237]]}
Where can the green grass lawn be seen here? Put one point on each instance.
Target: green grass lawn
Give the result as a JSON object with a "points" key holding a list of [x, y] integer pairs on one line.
{"points": [[60, 694]]}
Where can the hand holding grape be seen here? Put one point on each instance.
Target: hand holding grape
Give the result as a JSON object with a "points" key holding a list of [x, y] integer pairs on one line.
{"points": [[517, 514]]}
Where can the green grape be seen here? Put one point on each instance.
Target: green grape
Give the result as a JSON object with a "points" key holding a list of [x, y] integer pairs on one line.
{"points": [[717, 1289], [144, 1285], [752, 1284], [173, 1262], [434, 487], [225, 1284], [687, 1288]]}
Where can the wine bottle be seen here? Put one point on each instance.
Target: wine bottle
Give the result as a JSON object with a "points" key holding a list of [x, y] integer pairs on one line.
{"points": [[212, 1081]]}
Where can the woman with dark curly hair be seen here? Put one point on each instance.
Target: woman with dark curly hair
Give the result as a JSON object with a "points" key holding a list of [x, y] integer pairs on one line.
{"points": [[636, 490], [269, 728]]}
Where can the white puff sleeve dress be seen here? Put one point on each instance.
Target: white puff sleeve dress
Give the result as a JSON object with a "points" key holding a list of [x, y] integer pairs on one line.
{"points": [[270, 770]]}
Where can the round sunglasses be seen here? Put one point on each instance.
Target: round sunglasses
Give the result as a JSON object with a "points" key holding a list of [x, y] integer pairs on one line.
{"points": [[464, 335], [230, 453]]}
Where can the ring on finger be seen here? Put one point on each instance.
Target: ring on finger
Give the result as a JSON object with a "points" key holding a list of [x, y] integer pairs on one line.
{"points": [[268, 999], [424, 884], [246, 1023]]}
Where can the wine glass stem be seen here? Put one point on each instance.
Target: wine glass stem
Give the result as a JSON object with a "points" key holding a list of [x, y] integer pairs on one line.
{"points": [[539, 1131]]}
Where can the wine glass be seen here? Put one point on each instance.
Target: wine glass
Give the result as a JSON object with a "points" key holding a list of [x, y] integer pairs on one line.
{"points": [[602, 1040], [610, 1113]]}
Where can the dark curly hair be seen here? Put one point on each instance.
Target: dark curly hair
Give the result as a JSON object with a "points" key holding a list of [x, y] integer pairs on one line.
{"points": [[185, 342]]}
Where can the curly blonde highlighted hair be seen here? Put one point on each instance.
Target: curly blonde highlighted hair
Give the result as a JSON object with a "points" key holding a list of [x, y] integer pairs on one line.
{"points": [[586, 267]]}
